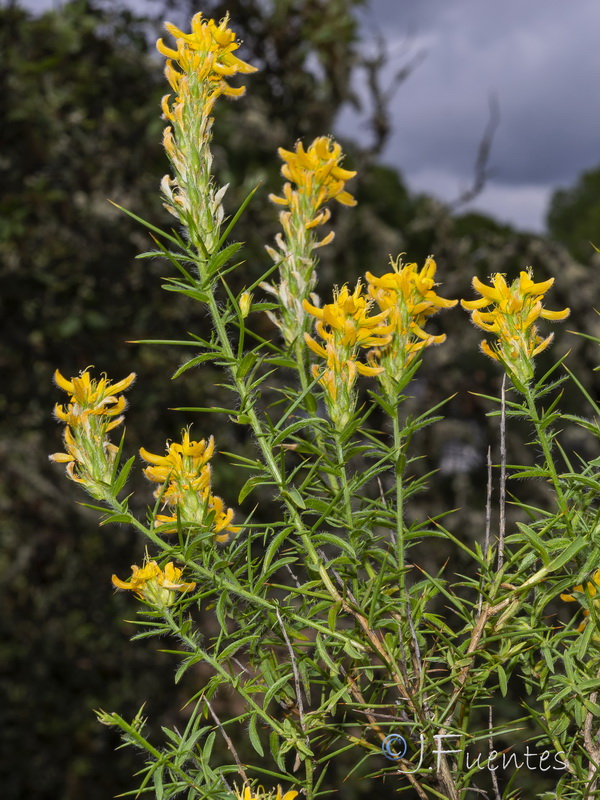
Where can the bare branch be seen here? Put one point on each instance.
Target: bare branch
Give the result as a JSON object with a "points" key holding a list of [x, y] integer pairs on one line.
{"points": [[491, 747], [229, 743], [481, 170], [295, 669], [381, 97]]}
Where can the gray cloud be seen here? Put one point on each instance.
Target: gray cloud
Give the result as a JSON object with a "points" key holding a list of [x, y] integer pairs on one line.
{"points": [[540, 58]]}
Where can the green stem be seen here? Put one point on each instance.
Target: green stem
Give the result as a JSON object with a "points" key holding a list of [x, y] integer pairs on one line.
{"points": [[232, 680], [122, 508], [546, 449], [347, 496], [399, 474], [255, 424]]}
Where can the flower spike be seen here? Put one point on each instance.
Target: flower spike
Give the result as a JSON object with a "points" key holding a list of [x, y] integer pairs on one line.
{"points": [[92, 412], [511, 313], [408, 295], [198, 70], [184, 478], [313, 178], [153, 584], [345, 326]]}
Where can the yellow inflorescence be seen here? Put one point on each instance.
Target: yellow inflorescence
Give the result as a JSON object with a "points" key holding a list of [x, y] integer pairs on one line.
{"points": [[514, 311], [345, 326], [204, 56], [313, 177], [408, 295], [197, 70], [153, 584], [92, 411], [590, 591], [318, 178], [184, 476]]}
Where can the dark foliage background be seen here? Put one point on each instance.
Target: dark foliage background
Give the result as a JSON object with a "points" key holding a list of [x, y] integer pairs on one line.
{"points": [[79, 102]]}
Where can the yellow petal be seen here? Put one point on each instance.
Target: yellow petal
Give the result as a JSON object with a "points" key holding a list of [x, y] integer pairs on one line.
{"points": [[316, 312], [471, 305], [527, 286], [488, 350], [63, 382], [120, 584], [123, 384], [151, 458], [315, 346], [555, 315]]}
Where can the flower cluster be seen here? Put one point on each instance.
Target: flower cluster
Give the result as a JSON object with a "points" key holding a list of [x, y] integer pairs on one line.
{"points": [[590, 591], [345, 326], [514, 311], [92, 411], [153, 584], [205, 58], [318, 178], [313, 177], [408, 295], [184, 476]]}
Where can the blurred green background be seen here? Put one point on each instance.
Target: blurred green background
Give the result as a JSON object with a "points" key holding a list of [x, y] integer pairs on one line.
{"points": [[80, 93]]}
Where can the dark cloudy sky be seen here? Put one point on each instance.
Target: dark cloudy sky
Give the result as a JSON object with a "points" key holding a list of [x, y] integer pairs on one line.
{"points": [[539, 58]]}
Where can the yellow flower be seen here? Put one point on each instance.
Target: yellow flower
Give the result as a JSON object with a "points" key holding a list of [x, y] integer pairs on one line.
{"points": [[207, 53], [153, 584], [346, 321], [184, 476], [260, 794], [590, 591], [313, 177], [345, 326], [408, 295], [316, 173], [94, 410], [197, 70], [91, 397], [514, 311]]}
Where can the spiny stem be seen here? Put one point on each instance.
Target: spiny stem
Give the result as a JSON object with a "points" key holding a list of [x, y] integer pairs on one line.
{"points": [[399, 475], [546, 446]]}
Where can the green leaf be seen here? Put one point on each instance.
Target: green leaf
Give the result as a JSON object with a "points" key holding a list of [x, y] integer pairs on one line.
{"points": [[221, 257], [351, 650], [293, 495], [568, 554], [144, 222], [250, 485], [322, 651], [116, 518], [274, 748], [158, 783], [502, 680], [123, 475], [246, 364], [207, 745], [254, 738], [193, 362], [310, 401], [274, 689], [273, 547], [333, 615]]}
